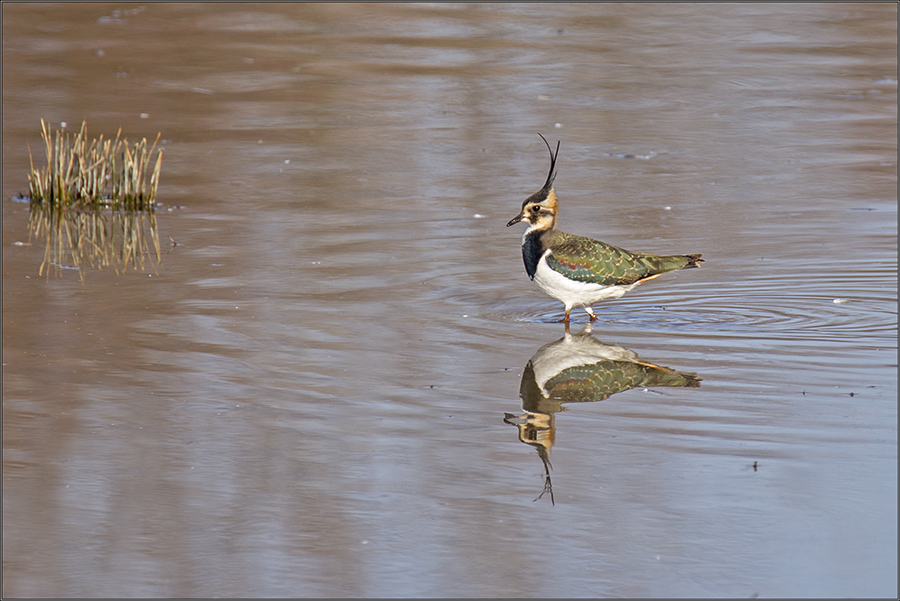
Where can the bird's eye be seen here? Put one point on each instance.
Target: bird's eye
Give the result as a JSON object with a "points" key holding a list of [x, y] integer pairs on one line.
{"points": [[536, 209]]}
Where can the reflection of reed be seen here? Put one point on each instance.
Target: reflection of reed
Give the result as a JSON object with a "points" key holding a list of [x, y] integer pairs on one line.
{"points": [[578, 369], [94, 237]]}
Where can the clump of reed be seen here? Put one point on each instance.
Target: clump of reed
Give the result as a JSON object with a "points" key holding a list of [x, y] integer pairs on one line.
{"points": [[93, 200], [100, 173]]}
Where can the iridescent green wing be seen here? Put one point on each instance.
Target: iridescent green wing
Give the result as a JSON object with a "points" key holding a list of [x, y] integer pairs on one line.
{"points": [[603, 379], [587, 260]]}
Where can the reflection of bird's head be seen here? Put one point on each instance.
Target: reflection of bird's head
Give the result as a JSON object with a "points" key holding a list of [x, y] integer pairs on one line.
{"points": [[537, 430]]}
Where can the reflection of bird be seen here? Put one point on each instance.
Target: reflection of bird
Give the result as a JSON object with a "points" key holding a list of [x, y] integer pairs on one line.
{"points": [[578, 369], [576, 270]]}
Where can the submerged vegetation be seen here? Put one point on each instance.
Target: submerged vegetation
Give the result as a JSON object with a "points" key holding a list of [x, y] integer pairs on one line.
{"points": [[93, 200]]}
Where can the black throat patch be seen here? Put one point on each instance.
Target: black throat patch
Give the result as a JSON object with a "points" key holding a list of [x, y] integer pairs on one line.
{"points": [[532, 250]]}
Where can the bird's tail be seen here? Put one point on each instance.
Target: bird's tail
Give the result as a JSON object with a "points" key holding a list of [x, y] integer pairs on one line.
{"points": [[693, 260]]}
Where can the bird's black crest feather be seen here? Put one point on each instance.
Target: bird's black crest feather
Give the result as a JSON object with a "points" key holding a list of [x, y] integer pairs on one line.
{"points": [[552, 175]]}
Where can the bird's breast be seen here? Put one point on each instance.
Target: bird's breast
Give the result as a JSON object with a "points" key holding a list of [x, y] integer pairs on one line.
{"points": [[532, 251]]}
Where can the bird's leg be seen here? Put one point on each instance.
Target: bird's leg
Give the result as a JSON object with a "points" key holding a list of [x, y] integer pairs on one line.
{"points": [[591, 313], [566, 318]]}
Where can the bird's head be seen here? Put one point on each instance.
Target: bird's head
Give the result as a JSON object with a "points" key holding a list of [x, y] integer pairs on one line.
{"points": [[540, 209]]}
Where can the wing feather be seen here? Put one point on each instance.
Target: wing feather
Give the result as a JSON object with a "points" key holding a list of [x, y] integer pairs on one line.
{"points": [[588, 260]]}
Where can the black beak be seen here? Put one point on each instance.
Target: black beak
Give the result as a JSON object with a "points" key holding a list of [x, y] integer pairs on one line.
{"points": [[516, 219]]}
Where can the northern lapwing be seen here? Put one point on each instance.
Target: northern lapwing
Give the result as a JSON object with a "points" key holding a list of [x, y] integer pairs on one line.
{"points": [[576, 270]]}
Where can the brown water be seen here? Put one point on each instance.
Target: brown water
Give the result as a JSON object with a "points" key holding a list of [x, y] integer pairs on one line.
{"points": [[317, 392]]}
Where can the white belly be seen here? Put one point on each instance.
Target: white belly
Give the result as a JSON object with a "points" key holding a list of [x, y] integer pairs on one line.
{"points": [[573, 293]]}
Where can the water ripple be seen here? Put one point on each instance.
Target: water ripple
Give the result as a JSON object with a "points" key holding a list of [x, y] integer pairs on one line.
{"points": [[819, 307]]}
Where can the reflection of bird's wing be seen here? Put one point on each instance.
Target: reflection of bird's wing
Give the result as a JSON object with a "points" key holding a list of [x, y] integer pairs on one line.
{"points": [[588, 260], [601, 380]]}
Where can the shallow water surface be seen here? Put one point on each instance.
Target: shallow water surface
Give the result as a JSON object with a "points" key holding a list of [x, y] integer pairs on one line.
{"points": [[339, 381]]}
